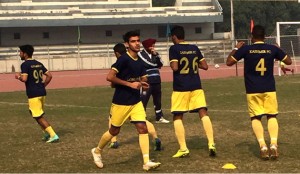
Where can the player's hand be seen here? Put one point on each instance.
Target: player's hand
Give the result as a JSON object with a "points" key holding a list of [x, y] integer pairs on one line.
{"points": [[240, 44], [136, 85], [17, 75], [145, 86]]}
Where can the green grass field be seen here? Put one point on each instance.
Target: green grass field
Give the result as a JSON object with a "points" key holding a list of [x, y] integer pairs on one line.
{"points": [[80, 115]]}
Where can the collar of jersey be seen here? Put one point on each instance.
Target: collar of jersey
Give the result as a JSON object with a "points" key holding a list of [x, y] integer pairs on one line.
{"points": [[30, 59], [259, 42], [184, 42], [131, 56]]}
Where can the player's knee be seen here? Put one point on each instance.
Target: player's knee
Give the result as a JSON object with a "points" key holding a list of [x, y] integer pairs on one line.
{"points": [[258, 117], [271, 116], [114, 131]]}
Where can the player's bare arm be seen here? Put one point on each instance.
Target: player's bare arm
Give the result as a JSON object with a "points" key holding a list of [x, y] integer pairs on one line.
{"points": [[231, 61], [22, 78], [48, 78], [203, 65], [174, 65]]}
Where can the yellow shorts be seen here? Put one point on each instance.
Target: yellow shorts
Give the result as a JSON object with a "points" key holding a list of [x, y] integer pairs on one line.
{"points": [[262, 104], [120, 113], [36, 106], [190, 101]]}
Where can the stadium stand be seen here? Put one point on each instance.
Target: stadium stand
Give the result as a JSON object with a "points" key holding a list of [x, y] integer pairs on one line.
{"points": [[70, 28]]}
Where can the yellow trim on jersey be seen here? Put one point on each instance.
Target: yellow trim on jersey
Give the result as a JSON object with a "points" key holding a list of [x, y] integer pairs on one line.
{"points": [[233, 58], [174, 60], [135, 59], [262, 104], [36, 106], [115, 69], [285, 57], [202, 59]]}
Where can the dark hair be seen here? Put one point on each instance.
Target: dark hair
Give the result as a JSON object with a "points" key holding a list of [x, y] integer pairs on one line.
{"points": [[120, 48], [130, 34], [258, 32], [178, 31], [28, 49]]}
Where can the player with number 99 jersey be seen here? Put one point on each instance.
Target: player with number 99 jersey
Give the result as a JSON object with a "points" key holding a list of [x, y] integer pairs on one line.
{"points": [[188, 57], [258, 66], [35, 70]]}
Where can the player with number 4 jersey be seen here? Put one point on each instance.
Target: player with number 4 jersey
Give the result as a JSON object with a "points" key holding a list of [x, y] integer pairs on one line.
{"points": [[260, 86]]}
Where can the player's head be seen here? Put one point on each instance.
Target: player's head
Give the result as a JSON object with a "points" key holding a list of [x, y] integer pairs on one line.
{"points": [[132, 41], [258, 33], [177, 33], [26, 51], [149, 44], [119, 49]]}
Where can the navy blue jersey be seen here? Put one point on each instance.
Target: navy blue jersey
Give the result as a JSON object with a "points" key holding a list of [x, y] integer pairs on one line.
{"points": [[186, 78], [128, 69], [34, 70], [258, 66]]}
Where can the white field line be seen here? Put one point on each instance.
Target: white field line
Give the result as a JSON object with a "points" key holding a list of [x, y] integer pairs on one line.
{"points": [[93, 107]]}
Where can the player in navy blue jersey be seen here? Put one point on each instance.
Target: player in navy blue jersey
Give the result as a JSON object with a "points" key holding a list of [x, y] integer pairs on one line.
{"points": [[188, 95], [128, 75], [260, 86], [32, 73]]}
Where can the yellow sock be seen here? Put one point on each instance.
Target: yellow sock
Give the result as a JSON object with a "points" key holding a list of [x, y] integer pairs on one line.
{"points": [[114, 139], [259, 132], [144, 145], [208, 129], [180, 134], [151, 129], [50, 131], [106, 137], [273, 130]]}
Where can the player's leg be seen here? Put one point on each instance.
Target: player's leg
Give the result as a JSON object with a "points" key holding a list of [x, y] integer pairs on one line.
{"points": [[119, 113], [36, 109], [256, 110], [113, 142], [180, 135], [198, 103], [138, 117], [271, 107], [179, 105], [156, 95], [208, 128], [152, 132]]}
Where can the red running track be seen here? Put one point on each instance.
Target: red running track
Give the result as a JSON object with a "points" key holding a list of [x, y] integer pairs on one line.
{"points": [[86, 78]]}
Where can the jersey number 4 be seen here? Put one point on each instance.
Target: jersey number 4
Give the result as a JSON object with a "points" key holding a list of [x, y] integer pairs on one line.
{"points": [[260, 67]]}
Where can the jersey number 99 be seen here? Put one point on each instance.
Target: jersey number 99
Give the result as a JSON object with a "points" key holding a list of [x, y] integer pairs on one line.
{"points": [[38, 75]]}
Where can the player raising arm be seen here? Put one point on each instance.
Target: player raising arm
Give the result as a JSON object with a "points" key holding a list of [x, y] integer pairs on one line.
{"points": [[260, 86]]}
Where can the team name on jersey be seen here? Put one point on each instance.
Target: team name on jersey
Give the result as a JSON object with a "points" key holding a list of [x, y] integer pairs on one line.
{"points": [[260, 51], [187, 52], [35, 66], [137, 79]]}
